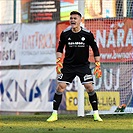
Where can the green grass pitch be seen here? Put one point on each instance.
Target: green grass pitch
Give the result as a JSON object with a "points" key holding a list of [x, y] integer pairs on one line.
{"points": [[67, 123]]}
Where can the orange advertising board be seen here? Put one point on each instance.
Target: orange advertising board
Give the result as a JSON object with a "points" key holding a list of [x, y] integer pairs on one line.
{"points": [[71, 1], [25, 1], [60, 27]]}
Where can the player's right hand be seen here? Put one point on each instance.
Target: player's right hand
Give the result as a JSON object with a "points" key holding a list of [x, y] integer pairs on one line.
{"points": [[97, 70], [58, 65]]}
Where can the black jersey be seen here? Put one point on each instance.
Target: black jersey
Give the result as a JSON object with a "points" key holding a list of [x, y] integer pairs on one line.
{"points": [[77, 46]]}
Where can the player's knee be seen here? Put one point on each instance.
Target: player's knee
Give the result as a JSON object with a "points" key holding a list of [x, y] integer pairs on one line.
{"points": [[89, 87], [61, 87]]}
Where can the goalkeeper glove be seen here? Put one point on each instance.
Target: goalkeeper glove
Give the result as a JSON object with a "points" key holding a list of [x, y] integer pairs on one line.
{"points": [[58, 65], [97, 70]]}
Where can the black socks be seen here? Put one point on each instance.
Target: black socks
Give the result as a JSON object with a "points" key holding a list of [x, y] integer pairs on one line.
{"points": [[57, 100], [93, 100]]}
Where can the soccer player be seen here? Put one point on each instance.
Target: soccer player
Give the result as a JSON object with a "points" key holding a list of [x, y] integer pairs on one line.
{"points": [[76, 41]]}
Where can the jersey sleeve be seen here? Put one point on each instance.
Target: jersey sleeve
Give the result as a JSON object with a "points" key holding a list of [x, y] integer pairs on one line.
{"points": [[94, 46], [61, 43]]}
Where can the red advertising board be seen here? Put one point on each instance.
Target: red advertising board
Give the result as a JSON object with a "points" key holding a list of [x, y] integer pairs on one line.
{"points": [[114, 38]]}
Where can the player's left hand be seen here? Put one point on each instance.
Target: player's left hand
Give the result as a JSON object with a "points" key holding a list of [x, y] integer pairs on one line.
{"points": [[97, 70]]}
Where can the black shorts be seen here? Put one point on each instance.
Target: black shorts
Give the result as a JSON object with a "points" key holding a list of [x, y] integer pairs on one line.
{"points": [[68, 73]]}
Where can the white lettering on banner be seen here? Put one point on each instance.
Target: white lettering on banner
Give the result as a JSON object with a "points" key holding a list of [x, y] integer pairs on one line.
{"points": [[129, 37], [100, 39], [115, 55], [108, 86], [112, 41], [108, 80], [38, 40], [120, 34], [34, 91]]}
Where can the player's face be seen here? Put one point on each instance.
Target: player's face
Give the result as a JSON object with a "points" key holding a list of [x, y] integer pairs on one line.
{"points": [[75, 21]]}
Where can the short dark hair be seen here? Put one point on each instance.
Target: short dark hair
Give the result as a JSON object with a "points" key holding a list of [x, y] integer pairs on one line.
{"points": [[76, 12]]}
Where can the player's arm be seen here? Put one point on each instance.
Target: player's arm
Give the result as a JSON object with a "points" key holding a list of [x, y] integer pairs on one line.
{"points": [[97, 70], [59, 54], [97, 58]]}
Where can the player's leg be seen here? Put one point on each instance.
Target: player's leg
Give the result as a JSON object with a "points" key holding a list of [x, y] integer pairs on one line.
{"points": [[93, 100], [63, 79], [86, 79], [56, 101]]}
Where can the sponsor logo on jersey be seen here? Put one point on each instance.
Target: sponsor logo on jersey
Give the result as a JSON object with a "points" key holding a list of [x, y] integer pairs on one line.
{"points": [[83, 38], [76, 44], [60, 76], [86, 77]]}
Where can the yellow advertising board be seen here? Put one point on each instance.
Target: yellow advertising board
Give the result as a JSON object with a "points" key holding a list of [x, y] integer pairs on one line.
{"points": [[105, 100]]}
